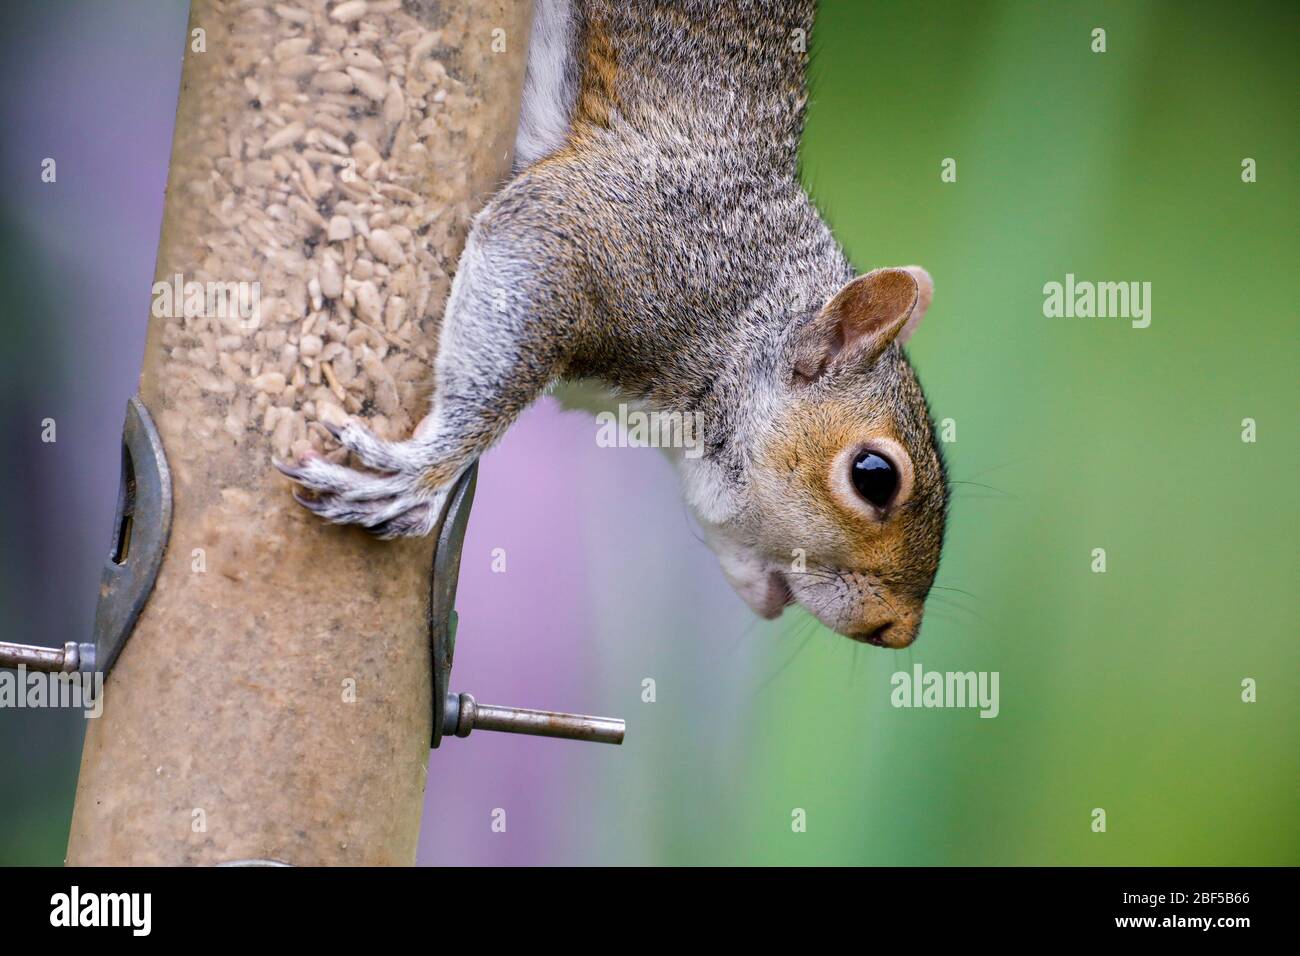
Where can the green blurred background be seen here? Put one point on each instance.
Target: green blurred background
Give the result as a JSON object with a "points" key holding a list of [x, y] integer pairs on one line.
{"points": [[1119, 690]]}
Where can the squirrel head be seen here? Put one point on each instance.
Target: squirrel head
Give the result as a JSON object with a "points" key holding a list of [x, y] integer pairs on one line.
{"points": [[843, 498]]}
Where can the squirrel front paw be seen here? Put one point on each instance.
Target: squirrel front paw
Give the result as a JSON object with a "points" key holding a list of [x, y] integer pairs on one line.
{"points": [[399, 501]]}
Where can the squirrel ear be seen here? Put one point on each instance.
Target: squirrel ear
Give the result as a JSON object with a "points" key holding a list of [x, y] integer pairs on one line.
{"points": [[863, 318], [869, 313]]}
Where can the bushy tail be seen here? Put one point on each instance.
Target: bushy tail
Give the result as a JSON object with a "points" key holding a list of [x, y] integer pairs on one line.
{"points": [[551, 82]]}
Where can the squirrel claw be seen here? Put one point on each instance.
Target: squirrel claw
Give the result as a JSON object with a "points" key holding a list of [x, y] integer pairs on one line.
{"points": [[289, 471], [393, 499]]}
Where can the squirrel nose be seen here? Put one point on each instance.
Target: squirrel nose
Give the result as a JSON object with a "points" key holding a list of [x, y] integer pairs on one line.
{"points": [[876, 636], [887, 634]]}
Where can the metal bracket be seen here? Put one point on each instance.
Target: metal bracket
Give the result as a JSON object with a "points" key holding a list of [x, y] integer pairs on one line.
{"points": [[459, 714], [143, 525], [450, 538], [140, 535], [140, 532]]}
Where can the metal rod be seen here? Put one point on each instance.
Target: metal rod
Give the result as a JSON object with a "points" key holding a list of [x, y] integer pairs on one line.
{"points": [[471, 715], [543, 723], [38, 658]]}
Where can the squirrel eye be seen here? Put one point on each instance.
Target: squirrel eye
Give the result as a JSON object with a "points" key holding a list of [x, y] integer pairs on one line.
{"points": [[875, 477]]}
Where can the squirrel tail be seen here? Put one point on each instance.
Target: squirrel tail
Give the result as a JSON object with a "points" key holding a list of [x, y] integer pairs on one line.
{"points": [[685, 59], [551, 81]]}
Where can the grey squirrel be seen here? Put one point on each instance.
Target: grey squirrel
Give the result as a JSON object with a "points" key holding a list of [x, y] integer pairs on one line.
{"points": [[655, 237]]}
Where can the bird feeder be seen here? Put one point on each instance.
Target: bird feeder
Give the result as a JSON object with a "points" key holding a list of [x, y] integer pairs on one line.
{"points": [[276, 682]]}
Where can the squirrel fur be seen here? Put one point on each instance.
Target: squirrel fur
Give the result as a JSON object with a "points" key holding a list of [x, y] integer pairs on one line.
{"points": [[655, 237]]}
